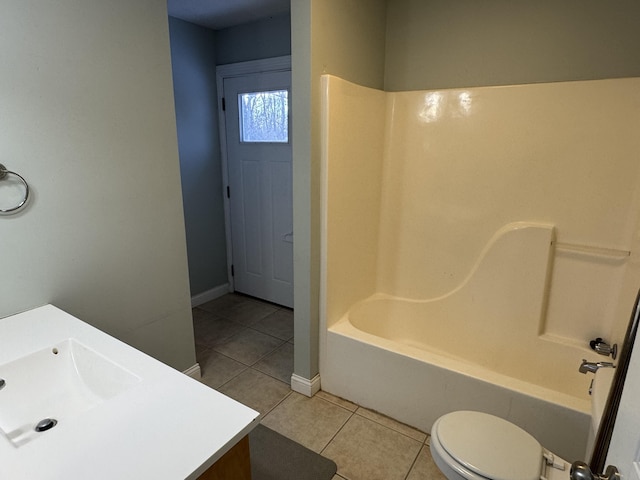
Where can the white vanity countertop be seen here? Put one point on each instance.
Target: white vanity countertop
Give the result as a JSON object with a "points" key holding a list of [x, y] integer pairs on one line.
{"points": [[166, 426]]}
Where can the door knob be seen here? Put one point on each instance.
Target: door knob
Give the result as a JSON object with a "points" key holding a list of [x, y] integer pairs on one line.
{"points": [[581, 471]]}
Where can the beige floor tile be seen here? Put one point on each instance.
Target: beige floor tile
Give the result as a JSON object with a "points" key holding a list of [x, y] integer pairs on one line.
{"points": [[256, 390], [312, 422], [392, 424], [248, 312], [201, 351], [337, 400], [366, 450], [223, 303], [198, 314], [425, 468], [337, 477], [278, 364], [278, 324], [212, 330], [218, 369], [248, 346]]}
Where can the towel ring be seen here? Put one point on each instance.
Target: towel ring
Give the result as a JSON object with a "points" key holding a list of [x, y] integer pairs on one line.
{"points": [[3, 174]]}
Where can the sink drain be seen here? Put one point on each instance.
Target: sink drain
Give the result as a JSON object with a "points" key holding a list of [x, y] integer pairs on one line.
{"points": [[46, 424]]}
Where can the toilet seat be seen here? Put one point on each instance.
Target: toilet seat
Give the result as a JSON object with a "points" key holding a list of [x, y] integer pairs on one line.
{"points": [[478, 446]]}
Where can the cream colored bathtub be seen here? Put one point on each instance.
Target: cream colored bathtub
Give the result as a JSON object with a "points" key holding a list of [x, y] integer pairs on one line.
{"points": [[431, 331], [417, 386], [478, 348]]}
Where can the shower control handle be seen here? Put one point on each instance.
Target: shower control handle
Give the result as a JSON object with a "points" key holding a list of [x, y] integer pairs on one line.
{"points": [[581, 471], [603, 348]]}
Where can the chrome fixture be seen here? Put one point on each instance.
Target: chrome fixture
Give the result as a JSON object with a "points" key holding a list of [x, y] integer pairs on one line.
{"points": [[603, 348], [45, 424], [593, 366], [4, 174], [2, 383], [581, 471]]}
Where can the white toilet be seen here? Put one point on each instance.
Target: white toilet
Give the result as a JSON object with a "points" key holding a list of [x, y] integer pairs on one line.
{"points": [[477, 446]]}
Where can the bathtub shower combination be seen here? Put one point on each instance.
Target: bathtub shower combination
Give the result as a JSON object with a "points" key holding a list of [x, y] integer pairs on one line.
{"points": [[474, 241]]}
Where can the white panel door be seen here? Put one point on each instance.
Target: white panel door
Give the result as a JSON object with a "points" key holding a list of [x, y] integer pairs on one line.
{"points": [[260, 184]]}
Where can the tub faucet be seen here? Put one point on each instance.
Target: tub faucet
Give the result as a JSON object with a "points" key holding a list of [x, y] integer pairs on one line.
{"points": [[593, 366]]}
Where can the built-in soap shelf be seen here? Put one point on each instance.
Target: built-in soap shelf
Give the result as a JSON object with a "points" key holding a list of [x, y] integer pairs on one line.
{"points": [[591, 250]]}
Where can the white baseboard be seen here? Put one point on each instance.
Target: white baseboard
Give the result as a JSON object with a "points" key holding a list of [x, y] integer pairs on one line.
{"points": [[193, 371], [305, 386], [209, 295]]}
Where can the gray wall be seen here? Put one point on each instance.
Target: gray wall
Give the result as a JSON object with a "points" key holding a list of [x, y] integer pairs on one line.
{"points": [[443, 44], [270, 37], [194, 81], [88, 119]]}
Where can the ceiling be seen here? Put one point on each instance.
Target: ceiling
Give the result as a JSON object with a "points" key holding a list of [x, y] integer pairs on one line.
{"points": [[218, 14]]}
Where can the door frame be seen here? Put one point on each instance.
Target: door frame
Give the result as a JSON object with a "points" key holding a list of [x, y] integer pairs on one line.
{"points": [[267, 65]]}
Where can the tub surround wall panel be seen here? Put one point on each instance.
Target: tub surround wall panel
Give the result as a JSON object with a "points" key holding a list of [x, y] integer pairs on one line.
{"points": [[493, 320], [460, 164], [631, 279], [352, 175], [88, 119], [585, 297], [627, 294]]}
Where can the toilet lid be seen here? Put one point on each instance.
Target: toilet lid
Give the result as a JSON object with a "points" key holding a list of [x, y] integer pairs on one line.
{"points": [[490, 446]]}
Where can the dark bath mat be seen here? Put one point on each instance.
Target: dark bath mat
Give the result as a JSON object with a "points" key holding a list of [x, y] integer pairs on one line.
{"points": [[275, 457]]}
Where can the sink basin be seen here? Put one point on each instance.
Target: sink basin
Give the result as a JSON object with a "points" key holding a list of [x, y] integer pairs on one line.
{"points": [[105, 410], [57, 382]]}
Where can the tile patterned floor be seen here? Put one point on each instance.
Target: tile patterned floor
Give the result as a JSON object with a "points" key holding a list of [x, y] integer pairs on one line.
{"points": [[245, 350]]}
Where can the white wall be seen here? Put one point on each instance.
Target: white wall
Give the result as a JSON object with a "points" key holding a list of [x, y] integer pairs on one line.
{"points": [[88, 119]]}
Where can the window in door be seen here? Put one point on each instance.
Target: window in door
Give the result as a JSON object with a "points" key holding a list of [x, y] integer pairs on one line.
{"points": [[264, 116]]}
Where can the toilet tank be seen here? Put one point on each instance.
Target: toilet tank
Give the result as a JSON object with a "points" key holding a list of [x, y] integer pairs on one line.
{"points": [[599, 393]]}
